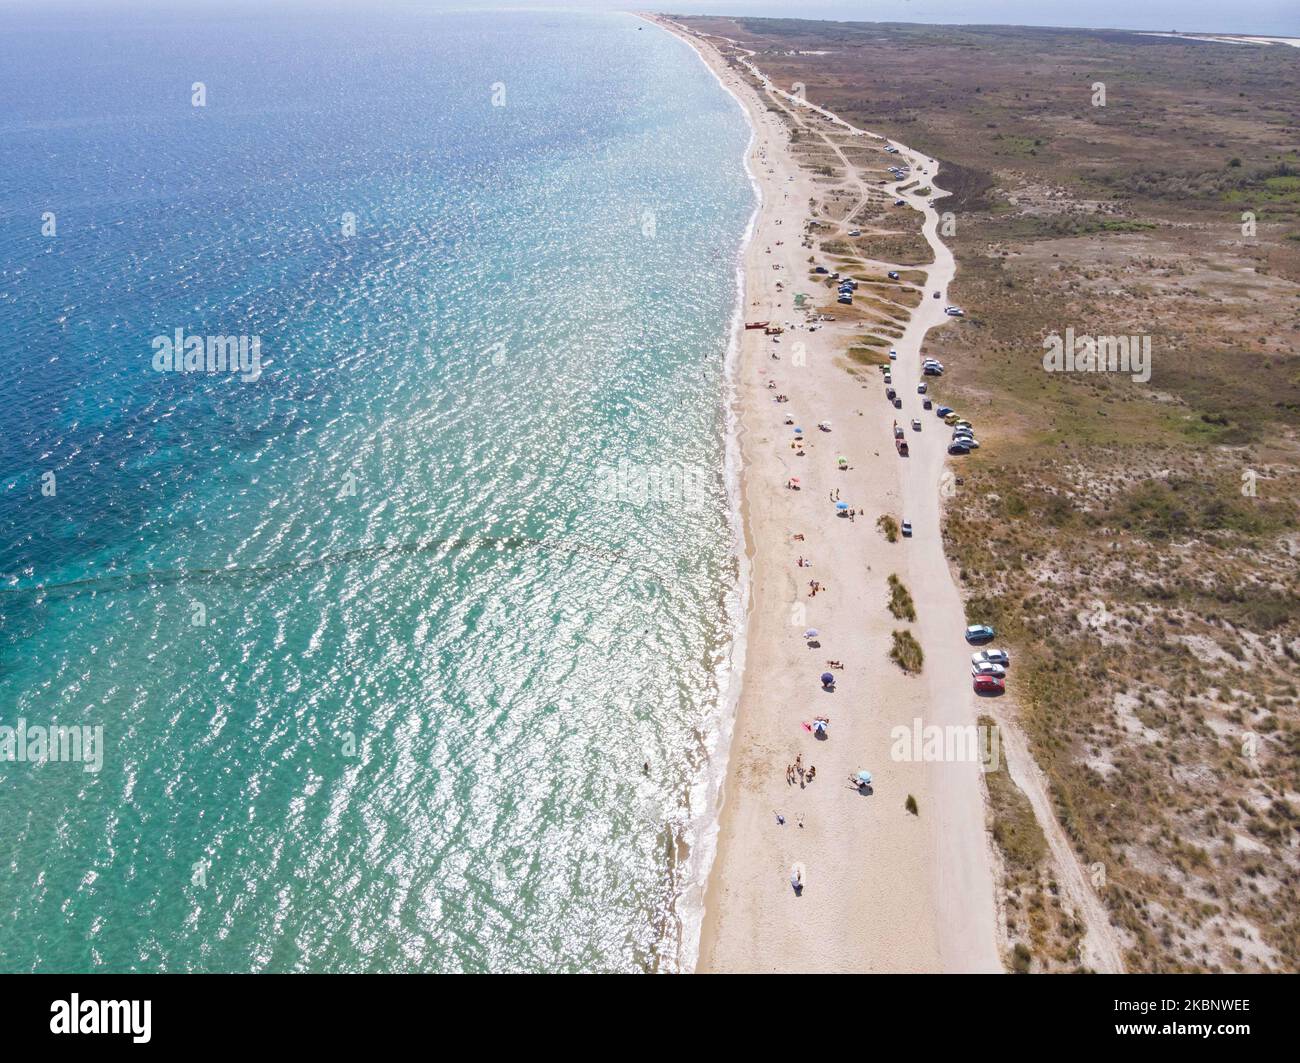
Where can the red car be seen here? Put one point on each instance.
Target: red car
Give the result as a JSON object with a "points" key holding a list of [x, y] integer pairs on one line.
{"points": [[990, 684]]}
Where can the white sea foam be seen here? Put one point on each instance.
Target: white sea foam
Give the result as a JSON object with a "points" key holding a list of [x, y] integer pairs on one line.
{"points": [[708, 791]]}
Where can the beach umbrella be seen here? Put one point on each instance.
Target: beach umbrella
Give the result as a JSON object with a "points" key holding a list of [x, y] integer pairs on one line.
{"points": [[842, 460], [811, 633], [798, 431], [841, 505], [827, 678], [864, 777]]}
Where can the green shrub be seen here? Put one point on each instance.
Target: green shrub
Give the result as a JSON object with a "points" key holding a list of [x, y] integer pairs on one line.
{"points": [[906, 652], [900, 601]]}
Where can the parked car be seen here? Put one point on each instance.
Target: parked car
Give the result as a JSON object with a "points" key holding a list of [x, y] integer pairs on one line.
{"points": [[927, 404], [990, 684], [898, 403], [916, 424], [936, 295], [961, 422], [954, 311], [900, 202], [893, 274], [943, 411], [822, 269], [951, 418], [979, 633], [920, 388], [992, 656], [907, 529], [893, 355], [889, 394], [958, 447], [987, 668]]}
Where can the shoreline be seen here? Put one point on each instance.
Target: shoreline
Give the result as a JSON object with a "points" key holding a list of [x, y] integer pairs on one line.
{"points": [[693, 902], [887, 890]]}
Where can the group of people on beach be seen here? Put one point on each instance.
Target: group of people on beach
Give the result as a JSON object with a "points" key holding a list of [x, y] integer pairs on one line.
{"points": [[796, 772]]}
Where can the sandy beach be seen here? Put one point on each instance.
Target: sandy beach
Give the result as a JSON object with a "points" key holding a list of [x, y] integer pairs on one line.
{"points": [[884, 889]]}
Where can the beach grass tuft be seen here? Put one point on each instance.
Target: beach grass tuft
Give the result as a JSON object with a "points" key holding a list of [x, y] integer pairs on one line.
{"points": [[906, 652], [900, 600]]}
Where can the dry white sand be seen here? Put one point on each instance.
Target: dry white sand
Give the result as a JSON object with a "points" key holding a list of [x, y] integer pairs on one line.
{"points": [[884, 890]]}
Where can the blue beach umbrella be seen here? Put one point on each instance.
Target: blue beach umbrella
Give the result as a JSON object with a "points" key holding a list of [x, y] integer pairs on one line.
{"points": [[827, 678], [864, 777], [841, 505], [811, 633]]}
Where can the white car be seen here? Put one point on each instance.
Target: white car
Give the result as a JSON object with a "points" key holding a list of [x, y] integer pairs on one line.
{"points": [[893, 354], [991, 657], [954, 311], [988, 668]]}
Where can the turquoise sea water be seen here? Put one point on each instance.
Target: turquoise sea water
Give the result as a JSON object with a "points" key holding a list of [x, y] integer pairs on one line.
{"points": [[382, 640]]}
